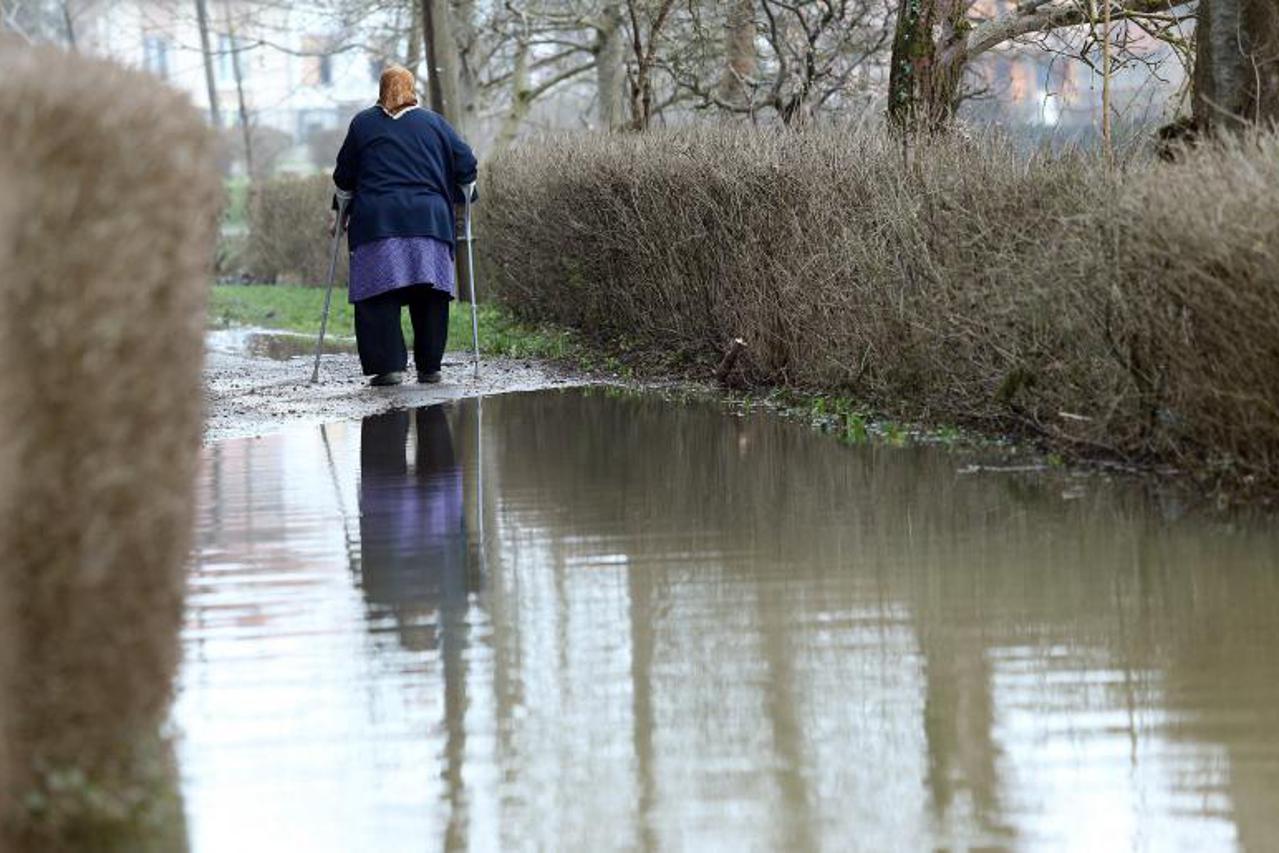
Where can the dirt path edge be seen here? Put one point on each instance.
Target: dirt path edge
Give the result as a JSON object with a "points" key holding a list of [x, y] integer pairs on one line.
{"points": [[247, 395]]}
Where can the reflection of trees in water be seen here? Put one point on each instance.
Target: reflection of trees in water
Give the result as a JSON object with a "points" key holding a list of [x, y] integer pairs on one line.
{"points": [[1205, 609], [803, 529]]}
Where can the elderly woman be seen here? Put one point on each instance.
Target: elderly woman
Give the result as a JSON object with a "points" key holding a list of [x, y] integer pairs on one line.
{"points": [[402, 167]]}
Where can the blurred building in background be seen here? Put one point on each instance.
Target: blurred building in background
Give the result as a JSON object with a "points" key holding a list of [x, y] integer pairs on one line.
{"points": [[284, 69]]}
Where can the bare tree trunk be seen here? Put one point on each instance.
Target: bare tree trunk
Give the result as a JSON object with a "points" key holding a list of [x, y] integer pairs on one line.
{"points": [[202, 18], [434, 81], [435, 86], [1106, 71], [245, 127], [1236, 63], [608, 66], [69, 24], [442, 61], [466, 37], [645, 59], [521, 97], [927, 65], [414, 58], [442, 67], [797, 112], [739, 52]]}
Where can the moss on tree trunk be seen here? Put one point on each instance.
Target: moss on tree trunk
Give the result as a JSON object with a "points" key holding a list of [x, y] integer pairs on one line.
{"points": [[927, 65]]}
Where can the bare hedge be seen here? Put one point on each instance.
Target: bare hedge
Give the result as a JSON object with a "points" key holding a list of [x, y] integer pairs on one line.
{"points": [[1124, 311], [287, 238], [105, 238]]}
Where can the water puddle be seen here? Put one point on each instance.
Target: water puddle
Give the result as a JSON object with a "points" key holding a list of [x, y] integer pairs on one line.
{"points": [[270, 343], [577, 620]]}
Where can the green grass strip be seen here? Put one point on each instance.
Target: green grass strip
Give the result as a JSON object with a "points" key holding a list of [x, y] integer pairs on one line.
{"points": [[298, 309]]}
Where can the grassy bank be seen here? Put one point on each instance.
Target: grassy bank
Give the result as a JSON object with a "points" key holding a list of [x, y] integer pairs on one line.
{"points": [[1127, 312], [298, 309]]}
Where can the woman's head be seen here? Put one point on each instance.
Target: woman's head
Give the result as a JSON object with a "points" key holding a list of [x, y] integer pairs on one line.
{"points": [[396, 89]]}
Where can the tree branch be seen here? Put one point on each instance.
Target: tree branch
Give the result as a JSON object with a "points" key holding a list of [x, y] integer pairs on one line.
{"points": [[1037, 16]]}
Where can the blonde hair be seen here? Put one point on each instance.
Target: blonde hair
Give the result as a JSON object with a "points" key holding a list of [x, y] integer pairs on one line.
{"points": [[396, 89]]}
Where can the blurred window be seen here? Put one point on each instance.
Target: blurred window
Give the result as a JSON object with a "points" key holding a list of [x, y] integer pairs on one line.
{"points": [[226, 55], [317, 64], [155, 56]]}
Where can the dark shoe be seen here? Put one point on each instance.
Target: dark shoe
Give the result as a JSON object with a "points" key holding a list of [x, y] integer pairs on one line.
{"points": [[429, 378], [395, 377]]}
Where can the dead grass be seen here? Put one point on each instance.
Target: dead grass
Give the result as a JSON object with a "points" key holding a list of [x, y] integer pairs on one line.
{"points": [[1127, 312]]}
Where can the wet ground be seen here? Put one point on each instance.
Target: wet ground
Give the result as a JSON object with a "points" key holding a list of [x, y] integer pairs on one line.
{"points": [[593, 620], [258, 381]]}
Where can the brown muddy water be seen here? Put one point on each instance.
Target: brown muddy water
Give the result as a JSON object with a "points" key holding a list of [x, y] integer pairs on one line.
{"points": [[578, 620]]}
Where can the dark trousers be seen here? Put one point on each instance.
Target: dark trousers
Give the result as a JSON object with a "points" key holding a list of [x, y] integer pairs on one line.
{"points": [[380, 340]]}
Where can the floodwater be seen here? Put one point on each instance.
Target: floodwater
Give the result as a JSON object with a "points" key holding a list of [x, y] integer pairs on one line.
{"points": [[272, 344], [578, 620]]}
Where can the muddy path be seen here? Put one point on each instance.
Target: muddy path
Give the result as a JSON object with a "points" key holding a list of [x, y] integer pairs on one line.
{"points": [[258, 383]]}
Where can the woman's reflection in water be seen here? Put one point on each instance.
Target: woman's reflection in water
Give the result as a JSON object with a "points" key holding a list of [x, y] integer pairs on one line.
{"points": [[413, 563], [413, 560]]}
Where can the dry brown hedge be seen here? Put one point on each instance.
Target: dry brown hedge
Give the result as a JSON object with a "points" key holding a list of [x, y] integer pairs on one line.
{"points": [[288, 241], [105, 244], [1129, 311]]}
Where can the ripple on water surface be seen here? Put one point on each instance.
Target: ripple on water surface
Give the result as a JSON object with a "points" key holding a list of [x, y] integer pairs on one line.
{"points": [[577, 620]]}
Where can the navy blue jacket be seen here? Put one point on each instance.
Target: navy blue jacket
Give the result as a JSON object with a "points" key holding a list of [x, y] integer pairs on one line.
{"points": [[406, 174]]}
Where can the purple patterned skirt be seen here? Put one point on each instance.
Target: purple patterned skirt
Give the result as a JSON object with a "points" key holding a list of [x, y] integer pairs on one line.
{"points": [[396, 262]]}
